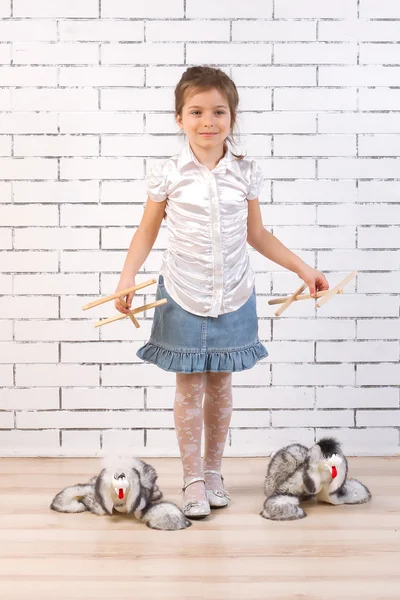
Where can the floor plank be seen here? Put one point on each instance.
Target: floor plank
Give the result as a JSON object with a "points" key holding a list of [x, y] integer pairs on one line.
{"points": [[346, 552]]}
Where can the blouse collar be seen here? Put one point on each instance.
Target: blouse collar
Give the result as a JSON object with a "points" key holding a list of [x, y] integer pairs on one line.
{"points": [[227, 162]]}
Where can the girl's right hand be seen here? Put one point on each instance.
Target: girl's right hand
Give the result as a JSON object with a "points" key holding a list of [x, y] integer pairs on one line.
{"points": [[122, 285]]}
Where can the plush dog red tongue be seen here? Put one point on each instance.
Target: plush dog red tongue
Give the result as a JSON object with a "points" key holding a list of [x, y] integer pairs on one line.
{"points": [[334, 472], [120, 493]]}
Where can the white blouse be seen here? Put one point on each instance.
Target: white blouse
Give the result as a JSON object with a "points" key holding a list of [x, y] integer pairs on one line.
{"points": [[206, 266]]}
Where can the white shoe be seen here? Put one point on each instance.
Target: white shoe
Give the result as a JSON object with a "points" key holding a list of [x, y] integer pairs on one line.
{"points": [[217, 498], [195, 509]]}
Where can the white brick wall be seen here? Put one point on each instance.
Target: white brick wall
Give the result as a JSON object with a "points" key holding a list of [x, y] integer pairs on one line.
{"points": [[86, 107]]}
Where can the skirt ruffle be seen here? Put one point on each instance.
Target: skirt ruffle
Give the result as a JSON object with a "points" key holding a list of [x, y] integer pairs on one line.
{"points": [[199, 362]]}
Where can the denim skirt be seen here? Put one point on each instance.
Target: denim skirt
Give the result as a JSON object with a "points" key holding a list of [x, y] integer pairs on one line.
{"points": [[186, 343]]}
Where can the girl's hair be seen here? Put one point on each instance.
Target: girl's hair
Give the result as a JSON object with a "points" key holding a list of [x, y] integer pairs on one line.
{"points": [[202, 78]]}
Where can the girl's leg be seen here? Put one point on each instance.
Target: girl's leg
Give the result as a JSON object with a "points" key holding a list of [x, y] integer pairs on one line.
{"points": [[217, 417], [188, 416]]}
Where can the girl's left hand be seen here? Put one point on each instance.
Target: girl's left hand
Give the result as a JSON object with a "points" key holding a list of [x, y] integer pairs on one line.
{"points": [[315, 280]]}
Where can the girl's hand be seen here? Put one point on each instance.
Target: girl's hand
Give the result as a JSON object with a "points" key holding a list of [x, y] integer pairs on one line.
{"points": [[315, 280], [122, 285]]}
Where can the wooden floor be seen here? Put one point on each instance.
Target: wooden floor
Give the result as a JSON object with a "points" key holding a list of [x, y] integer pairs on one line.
{"points": [[336, 553]]}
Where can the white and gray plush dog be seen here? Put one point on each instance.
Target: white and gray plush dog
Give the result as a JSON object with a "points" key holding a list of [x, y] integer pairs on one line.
{"points": [[297, 473], [127, 485]]}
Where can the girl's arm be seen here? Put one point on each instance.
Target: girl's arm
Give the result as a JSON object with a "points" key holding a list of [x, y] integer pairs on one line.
{"points": [[139, 249], [269, 246]]}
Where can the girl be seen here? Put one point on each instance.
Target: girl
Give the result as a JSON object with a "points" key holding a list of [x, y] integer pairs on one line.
{"points": [[208, 328]]}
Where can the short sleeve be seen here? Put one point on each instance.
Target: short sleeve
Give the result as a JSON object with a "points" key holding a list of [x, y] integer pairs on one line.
{"points": [[156, 184], [256, 181]]}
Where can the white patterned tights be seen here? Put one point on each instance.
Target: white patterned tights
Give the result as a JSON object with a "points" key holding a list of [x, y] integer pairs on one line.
{"points": [[189, 415]]}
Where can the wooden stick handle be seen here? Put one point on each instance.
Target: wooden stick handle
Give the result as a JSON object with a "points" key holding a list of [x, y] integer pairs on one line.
{"points": [[132, 318], [291, 299], [133, 311], [335, 289], [302, 297], [125, 292]]}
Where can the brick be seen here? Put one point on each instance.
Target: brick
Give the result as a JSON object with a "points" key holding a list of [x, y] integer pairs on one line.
{"points": [[56, 283], [137, 10], [374, 260], [62, 192], [5, 239], [60, 330], [378, 283], [28, 307], [29, 399], [378, 237], [316, 237], [379, 145], [28, 76], [28, 168], [28, 262], [29, 443], [277, 122], [187, 31], [102, 76], [213, 54], [315, 99], [28, 123], [327, 329], [378, 418], [62, 53], [314, 192], [357, 351], [47, 375], [312, 418], [275, 76], [140, 145], [6, 375], [235, 9], [379, 54], [313, 374], [386, 9], [273, 31], [111, 30], [55, 100], [102, 398], [67, 238], [6, 328], [101, 168], [315, 145], [358, 76], [357, 168], [315, 9], [122, 440], [378, 329], [141, 54], [335, 397], [361, 30], [100, 122], [16, 352], [383, 374], [379, 191], [315, 53], [80, 443], [56, 8], [379, 99], [99, 352], [51, 145]]}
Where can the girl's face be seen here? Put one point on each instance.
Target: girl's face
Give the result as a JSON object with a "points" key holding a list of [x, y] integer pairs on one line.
{"points": [[205, 119]]}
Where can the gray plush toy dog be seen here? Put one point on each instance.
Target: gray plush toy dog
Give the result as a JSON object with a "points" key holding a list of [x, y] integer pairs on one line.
{"points": [[297, 473], [127, 485]]}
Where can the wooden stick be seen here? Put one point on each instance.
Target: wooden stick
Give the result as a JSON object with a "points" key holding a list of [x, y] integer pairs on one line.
{"points": [[125, 292], [291, 299], [133, 311], [335, 289], [301, 297], [132, 318]]}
